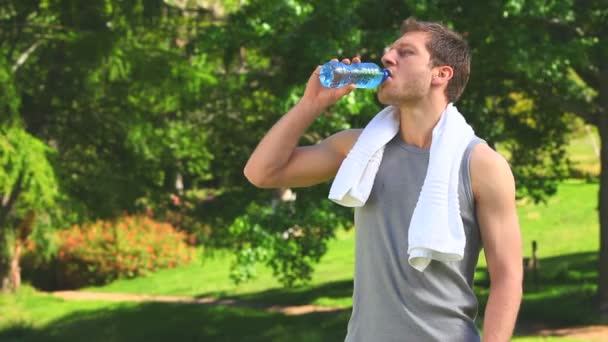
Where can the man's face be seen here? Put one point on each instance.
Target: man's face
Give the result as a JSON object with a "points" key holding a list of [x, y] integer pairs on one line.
{"points": [[408, 61]]}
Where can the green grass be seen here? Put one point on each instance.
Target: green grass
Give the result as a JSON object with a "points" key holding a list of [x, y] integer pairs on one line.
{"points": [[567, 224], [582, 152], [51, 319], [208, 276], [565, 228], [33, 316], [571, 216]]}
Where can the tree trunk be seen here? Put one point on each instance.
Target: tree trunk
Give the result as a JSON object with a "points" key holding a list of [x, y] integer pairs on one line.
{"points": [[11, 280], [4, 275], [10, 273], [603, 193]]}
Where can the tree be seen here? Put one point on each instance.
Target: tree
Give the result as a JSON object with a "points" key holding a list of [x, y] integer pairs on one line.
{"points": [[535, 64], [27, 183], [569, 38], [28, 186], [548, 57], [108, 89]]}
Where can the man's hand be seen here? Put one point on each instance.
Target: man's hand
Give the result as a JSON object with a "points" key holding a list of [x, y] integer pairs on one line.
{"points": [[320, 97]]}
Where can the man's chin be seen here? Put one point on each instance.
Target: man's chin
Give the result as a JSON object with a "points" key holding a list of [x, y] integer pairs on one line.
{"points": [[383, 98]]}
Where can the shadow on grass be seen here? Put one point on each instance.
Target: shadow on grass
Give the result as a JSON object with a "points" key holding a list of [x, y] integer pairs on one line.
{"points": [[16, 332], [562, 295], [300, 295], [182, 322]]}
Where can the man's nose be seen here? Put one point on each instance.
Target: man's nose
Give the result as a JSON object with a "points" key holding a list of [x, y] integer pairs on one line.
{"points": [[388, 58]]}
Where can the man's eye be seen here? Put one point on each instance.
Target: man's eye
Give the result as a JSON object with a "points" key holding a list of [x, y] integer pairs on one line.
{"points": [[404, 52]]}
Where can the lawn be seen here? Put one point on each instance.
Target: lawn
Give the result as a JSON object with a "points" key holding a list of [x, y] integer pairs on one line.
{"points": [[37, 317], [565, 229]]}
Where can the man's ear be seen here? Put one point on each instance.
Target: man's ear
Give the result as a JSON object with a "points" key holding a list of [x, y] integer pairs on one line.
{"points": [[442, 74]]}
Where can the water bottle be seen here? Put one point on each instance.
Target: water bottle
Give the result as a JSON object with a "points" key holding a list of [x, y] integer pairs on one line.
{"points": [[363, 75]]}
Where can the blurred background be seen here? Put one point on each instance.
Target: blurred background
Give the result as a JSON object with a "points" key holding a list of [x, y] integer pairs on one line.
{"points": [[125, 126]]}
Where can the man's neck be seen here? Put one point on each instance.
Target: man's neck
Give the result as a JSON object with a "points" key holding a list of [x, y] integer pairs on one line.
{"points": [[418, 121]]}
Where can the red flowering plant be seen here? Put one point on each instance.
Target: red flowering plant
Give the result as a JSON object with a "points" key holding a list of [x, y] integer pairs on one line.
{"points": [[182, 212], [131, 246]]}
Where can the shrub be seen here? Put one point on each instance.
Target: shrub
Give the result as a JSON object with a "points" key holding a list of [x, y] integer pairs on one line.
{"points": [[131, 246]]}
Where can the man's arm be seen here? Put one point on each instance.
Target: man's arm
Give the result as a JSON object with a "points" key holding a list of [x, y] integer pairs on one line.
{"points": [[494, 189], [278, 162]]}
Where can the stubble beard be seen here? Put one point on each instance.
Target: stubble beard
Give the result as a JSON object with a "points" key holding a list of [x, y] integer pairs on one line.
{"points": [[406, 94]]}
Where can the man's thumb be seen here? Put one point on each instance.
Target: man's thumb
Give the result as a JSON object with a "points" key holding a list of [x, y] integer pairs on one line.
{"points": [[350, 88]]}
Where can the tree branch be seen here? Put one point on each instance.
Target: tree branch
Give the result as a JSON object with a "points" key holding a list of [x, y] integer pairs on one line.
{"points": [[591, 79], [24, 56], [587, 114]]}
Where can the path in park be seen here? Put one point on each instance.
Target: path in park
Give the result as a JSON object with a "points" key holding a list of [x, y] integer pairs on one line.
{"points": [[122, 297], [597, 333]]}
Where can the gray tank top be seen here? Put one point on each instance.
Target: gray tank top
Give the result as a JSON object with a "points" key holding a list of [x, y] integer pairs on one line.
{"points": [[392, 301]]}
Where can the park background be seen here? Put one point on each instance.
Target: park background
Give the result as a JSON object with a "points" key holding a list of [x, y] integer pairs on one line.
{"points": [[125, 126]]}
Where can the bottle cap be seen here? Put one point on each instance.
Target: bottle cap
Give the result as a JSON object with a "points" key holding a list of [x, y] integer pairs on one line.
{"points": [[385, 75]]}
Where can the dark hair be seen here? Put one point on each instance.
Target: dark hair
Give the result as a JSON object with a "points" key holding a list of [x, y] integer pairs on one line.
{"points": [[446, 47]]}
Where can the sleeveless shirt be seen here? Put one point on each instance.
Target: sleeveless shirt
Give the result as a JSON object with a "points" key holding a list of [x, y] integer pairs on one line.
{"points": [[392, 301]]}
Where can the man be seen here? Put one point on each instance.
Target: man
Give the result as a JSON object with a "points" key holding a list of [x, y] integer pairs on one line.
{"points": [[429, 68]]}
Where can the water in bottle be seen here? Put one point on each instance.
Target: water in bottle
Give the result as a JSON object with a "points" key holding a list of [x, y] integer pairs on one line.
{"points": [[363, 75]]}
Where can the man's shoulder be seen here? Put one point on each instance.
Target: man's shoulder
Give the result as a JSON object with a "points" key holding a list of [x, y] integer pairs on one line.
{"points": [[483, 156], [488, 169]]}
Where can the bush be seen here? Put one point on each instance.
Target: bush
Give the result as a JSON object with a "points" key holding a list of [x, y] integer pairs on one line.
{"points": [[132, 246]]}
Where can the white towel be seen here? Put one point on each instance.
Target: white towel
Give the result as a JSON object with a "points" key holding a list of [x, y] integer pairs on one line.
{"points": [[353, 182], [436, 231]]}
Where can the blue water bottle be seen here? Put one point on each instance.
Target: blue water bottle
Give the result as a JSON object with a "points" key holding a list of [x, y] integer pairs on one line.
{"points": [[363, 75]]}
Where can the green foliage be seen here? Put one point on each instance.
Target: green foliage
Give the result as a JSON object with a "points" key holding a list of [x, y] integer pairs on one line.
{"points": [[27, 176], [24, 159], [115, 92], [275, 235], [180, 212], [102, 251], [9, 101]]}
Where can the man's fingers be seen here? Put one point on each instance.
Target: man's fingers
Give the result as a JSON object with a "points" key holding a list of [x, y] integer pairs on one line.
{"points": [[346, 90], [356, 59]]}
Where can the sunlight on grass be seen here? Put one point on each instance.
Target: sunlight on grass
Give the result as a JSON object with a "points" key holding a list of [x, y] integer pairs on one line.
{"points": [[209, 276], [566, 224], [583, 151], [31, 309], [565, 228], [51, 319]]}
